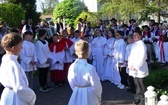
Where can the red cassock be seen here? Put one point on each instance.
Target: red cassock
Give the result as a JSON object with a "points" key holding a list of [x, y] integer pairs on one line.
{"points": [[59, 47], [57, 76], [66, 42]]}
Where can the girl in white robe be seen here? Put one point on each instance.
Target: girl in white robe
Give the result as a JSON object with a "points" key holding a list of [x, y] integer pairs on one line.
{"points": [[98, 45], [119, 61], [108, 73], [83, 79], [12, 75]]}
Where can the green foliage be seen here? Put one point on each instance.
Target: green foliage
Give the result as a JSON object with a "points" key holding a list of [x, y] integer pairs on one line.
{"points": [[162, 92], [70, 9], [12, 14], [126, 9], [120, 9], [91, 17], [30, 8], [157, 78]]}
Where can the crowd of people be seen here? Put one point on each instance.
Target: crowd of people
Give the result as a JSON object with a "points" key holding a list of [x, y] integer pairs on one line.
{"points": [[118, 53]]}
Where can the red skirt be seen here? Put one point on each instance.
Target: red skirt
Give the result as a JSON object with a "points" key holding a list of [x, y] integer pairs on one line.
{"points": [[56, 75], [66, 68]]}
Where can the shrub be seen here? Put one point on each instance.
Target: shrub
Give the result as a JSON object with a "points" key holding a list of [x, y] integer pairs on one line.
{"points": [[158, 78], [12, 14]]}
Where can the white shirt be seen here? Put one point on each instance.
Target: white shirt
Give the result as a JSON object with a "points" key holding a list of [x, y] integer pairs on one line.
{"points": [[137, 60], [13, 78]]}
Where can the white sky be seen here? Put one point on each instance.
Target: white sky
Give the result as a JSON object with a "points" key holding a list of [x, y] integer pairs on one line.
{"points": [[91, 4]]}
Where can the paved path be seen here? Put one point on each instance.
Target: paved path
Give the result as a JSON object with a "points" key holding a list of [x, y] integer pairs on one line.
{"points": [[60, 96]]}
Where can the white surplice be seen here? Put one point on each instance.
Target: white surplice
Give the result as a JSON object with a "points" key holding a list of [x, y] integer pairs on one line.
{"points": [[72, 49], [137, 60], [98, 45], [57, 56], [127, 53], [42, 51], [13, 78], [85, 84], [119, 57], [108, 73], [27, 55]]}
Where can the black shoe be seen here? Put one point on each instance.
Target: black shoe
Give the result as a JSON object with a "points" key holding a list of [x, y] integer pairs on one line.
{"points": [[136, 102], [57, 86], [48, 87], [43, 89], [129, 90]]}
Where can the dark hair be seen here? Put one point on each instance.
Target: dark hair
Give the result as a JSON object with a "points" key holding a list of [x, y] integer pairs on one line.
{"points": [[14, 30], [10, 40], [120, 32], [55, 35], [27, 33], [138, 31], [132, 20], [130, 36], [76, 31], [80, 19], [41, 32], [112, 31]]}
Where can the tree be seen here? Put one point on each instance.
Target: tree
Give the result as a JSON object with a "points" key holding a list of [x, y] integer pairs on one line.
{"points": [[122, 9], [12, 14], [30, 8], [48, 6], [69, 9], [141, 9], [91, 17]]}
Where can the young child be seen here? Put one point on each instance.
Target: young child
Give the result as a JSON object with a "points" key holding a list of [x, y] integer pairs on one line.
{"points": [[98, 45], [74, 40], [57, 61], [90, 59], [68, 57], [119, 70], [12, 75], [83, 78], [130, 41], [43, 52], [28, 57]]}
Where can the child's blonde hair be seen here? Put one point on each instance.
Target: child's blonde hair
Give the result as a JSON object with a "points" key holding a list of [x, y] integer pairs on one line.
{"points": [[10, 40], [81, 49]]}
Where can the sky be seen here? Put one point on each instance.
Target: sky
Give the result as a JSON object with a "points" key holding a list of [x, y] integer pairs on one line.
{"points": [[91, 4]]}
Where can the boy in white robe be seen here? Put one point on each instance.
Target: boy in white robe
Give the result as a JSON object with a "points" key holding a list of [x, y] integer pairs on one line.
{"points": [[43, 52], [28, 57], [130, 41], [83, 78], [12, 75], [74, 40], [138, 67]]}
